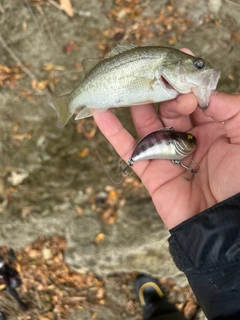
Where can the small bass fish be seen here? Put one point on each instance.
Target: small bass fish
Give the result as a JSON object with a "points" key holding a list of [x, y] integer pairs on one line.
{"points": [[133, 75], [164, 144]]}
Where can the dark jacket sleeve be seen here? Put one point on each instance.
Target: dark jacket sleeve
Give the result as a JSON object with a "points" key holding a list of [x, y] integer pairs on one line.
{"points": [[207, 249]]}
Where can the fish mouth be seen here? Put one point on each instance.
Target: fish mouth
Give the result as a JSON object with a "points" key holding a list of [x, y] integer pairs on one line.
{"points": [[166, 83]]}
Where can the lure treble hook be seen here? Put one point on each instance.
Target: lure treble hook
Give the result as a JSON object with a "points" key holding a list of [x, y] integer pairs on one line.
{"points": [[124, 169], [192, 170]]}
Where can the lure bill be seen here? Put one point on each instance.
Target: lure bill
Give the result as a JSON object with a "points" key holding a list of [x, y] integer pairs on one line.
{"points": [[134, 75], [164, 144]]}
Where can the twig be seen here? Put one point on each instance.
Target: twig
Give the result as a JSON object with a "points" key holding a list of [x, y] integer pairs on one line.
{"points": [[46, 23], [55, 4], [1, 7], [18, 62], [16, 59], [233, 3], [50, 34], [33, 15]]}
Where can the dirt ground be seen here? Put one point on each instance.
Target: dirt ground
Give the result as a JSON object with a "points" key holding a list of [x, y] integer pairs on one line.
{"points": [[42, 43]]}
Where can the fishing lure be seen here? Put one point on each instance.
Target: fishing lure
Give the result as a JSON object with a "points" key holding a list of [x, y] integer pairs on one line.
{"points": [[164, 144]]}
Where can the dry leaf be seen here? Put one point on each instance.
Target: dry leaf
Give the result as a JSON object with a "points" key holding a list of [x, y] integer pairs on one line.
{"points": [[66, 6], [5, 69], [49, 67], [109, 216], [79, 210], [43, 318], [84, 152], [2, 286], [100, 237], [94, 315], [21, 136], [26, 94]]}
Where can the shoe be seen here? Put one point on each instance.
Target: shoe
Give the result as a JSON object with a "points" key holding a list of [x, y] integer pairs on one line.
{"points": [[148, 290], [2, 316]]}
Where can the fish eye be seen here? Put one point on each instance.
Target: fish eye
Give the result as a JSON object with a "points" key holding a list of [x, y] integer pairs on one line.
{"points": [[199, 64]]}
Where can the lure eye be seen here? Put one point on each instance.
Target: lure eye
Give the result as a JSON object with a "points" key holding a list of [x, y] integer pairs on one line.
{"points": [[191, 139], [199, 64]]}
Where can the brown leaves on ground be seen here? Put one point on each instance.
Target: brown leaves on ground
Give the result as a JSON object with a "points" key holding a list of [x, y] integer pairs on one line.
{"points": [[10, 75], [133, 23], [64, 5], [49, 287]]}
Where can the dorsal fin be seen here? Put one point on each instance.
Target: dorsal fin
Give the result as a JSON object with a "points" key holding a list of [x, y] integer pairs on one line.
{"points": [[120, 47], [89, 64]]}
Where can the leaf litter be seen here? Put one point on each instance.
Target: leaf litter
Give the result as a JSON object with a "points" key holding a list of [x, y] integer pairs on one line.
{"points": [[52, 290]]}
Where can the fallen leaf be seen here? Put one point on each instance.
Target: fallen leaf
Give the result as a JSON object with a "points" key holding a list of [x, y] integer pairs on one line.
{"points": [[33, 254], [49, 67], [25, 212], [72, 46], [17, 176], [21, 136], [39, 85], [94, 315], [43, 318], [2, 286], [26, 94], [79, 210], [66, 6], [109, 216], [84, 152], [46, 253], [235, 35], [5, 69], [100, 237]]}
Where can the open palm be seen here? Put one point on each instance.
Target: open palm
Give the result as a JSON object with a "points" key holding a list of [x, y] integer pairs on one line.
{"points": [[218, 153]]}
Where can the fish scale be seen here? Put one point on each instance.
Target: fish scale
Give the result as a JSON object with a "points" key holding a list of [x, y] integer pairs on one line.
{"points": [[133, 75]]}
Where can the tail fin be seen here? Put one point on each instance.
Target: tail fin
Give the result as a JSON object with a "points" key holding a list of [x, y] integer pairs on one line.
{"points": [[60, 105]]}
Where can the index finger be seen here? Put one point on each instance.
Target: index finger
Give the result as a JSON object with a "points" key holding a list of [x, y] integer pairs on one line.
{"points": [[122, 141], [145, 119]]}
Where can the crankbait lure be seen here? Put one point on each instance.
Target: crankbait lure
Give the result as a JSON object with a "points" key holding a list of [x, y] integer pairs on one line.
{"points": [[164, 144]]}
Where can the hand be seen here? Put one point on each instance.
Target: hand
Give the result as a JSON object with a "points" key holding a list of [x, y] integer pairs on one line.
{"points": [[218, 153]]}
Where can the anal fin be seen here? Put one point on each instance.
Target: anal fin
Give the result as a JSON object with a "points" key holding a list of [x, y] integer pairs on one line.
{"points": [[88, 112]]}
